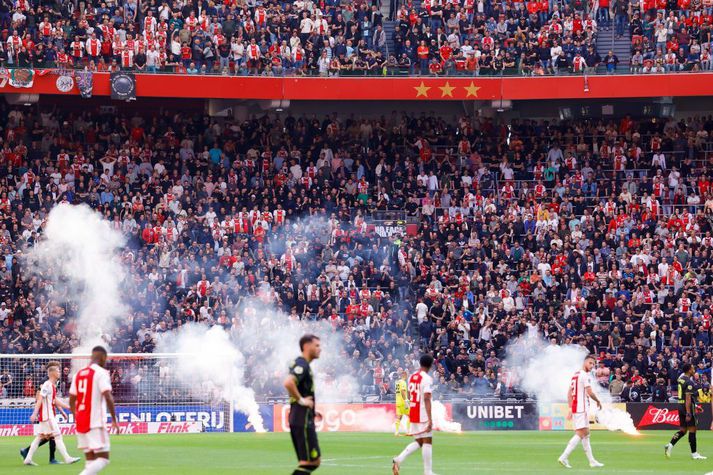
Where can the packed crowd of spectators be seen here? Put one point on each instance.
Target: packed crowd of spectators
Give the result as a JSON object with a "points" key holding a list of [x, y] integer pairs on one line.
{"points": [[301, 37], [469, 37], [598, 232], [530, 38], [671, 36], [534, 37]]}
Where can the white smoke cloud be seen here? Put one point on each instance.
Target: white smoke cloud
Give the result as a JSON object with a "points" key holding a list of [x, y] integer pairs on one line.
{"points": [[79, 254], [440, 419], [263, 341], [272, 340], [544, 370], [207, 362]]}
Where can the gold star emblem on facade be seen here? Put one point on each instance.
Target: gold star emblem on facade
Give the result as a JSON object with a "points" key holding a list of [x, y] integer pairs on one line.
{"points": [[446, 90], [471, 90], [422, 90]]}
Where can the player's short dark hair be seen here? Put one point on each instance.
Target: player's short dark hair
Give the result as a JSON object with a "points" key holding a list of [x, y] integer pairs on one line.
{"points": [[308, 338], [99, 349], [426, 361], [591, 356], [686, 367]]}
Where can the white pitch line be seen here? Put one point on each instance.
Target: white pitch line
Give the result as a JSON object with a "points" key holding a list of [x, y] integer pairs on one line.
{"points": [[372, 457], [490, 468]]}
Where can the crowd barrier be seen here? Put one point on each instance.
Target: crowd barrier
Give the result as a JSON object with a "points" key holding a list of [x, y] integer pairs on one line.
{"points": [[473, 416]]}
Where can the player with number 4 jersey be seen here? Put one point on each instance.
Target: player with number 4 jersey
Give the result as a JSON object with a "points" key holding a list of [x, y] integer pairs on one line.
{"points": [[90, 397]]}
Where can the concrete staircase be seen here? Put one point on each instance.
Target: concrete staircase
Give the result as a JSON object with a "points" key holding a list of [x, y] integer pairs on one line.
{"points": [[390, 26], [606, 41]]}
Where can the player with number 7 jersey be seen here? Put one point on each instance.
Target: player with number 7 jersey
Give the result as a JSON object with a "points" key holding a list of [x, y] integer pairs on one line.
{"points": [[90, 397], [580, 391]]}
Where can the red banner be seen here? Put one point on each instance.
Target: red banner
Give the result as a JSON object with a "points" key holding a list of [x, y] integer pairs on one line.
{"points": [[664, 415], [659, 416], [9, 430], [408, 89]]}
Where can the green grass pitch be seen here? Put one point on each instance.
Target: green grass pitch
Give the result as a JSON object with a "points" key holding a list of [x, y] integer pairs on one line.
{"points": [[365, 454]]}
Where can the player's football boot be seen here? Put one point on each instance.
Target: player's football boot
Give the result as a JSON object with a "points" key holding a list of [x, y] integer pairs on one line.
{"points": [[667, 450], [73, 460], [595, 464], [30, 463], [55, 462], [564, 462], [697, 456]]}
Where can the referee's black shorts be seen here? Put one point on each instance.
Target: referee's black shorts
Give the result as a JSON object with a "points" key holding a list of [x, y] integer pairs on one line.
{"points": [[682, 417], [304, 438]]}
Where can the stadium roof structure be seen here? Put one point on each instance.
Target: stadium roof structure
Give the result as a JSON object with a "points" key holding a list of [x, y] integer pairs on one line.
{"points": [[429, 88]]}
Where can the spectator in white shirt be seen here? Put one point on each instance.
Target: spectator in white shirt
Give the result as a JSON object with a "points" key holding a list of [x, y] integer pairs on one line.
{"points": [[153, 59]]}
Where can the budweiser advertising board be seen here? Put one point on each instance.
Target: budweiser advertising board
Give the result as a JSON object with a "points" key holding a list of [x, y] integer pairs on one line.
{"points": [[663, 415]]}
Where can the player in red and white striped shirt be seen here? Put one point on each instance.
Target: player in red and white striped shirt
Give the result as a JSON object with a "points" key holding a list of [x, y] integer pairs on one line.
{"points": [[580, 391], [44, 413], [90, 397], [420, 386]]}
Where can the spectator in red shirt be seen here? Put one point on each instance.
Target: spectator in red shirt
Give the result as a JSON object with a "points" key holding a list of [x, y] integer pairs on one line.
{"points": [[435, 68], [423, 54]]}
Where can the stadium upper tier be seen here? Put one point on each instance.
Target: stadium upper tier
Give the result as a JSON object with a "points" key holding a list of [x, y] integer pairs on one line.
{"points": [[427, 38]]}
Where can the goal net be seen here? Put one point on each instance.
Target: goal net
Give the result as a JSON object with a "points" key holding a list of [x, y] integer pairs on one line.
{"points": [[149, 393]]}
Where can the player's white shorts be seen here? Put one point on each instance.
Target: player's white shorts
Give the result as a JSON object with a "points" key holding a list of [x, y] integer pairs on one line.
{"points": [[49, 428], [96, 440], [580, 420], [418, 430]]}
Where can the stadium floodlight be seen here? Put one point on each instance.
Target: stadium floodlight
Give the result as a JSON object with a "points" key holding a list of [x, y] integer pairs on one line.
{"points": [[150, 396]]}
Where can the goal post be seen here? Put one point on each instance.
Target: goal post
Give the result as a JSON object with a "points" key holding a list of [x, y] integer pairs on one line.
{"points": [[149, 392]]}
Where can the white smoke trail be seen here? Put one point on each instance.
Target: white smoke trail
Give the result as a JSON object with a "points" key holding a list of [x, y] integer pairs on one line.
{"points": [[79, 254], [265, 341], [544, 370], [272, 340], [616, 419], [207, 361], [440, 419], [375, 420]]}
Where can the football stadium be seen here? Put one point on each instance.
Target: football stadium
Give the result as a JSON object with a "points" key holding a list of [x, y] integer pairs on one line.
{"points": [[347, 237]]}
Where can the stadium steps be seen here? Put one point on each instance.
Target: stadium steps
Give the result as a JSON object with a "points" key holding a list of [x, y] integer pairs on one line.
{"points": [[390, 26], [621, 47]]}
